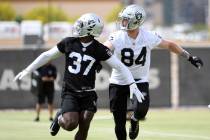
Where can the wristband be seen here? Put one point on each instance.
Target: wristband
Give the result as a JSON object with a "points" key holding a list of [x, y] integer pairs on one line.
{"points": [[185, 54]]}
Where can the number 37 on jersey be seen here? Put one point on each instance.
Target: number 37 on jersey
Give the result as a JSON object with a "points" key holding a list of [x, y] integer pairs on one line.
{"points": [[78, 59]]}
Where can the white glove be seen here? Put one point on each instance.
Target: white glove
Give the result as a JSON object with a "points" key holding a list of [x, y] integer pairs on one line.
{"points": [[134, 90], [21, 75]]}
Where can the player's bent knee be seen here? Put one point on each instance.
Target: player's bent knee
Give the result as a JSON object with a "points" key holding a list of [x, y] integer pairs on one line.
{"points": [[71, 126]]}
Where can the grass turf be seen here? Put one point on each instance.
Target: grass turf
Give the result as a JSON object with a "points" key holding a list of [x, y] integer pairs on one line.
{"points": [[161, 124]]}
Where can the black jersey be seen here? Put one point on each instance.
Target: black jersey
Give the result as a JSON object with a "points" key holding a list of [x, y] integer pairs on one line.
{"points": [[37, 84], [81, 63], [48, 70]]}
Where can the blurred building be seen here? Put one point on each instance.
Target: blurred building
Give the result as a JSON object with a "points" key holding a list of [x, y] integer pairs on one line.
{"points": [[160, 12], [169, 12], [190, 11]]}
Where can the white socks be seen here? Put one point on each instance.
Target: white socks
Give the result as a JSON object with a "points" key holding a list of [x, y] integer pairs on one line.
{"points": [[133, 118], [60, 119]]}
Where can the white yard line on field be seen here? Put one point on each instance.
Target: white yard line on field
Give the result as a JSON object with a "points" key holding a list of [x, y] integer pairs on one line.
{"points": [[164, 134]]}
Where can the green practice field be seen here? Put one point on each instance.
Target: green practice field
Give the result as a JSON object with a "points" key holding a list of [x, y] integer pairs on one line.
{"points": [[161, 124]]}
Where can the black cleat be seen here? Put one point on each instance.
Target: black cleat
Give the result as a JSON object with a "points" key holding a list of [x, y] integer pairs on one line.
{"points": [[51, 119], [36, 119], [54, 128], [134, 129]]}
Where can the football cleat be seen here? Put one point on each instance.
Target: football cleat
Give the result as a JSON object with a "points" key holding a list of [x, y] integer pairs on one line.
{"points": [[51, 119], [54, 128], [134, 129], [36, 119]]}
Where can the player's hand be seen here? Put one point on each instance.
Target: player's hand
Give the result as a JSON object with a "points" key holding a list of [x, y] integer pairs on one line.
{"points": [[196, 61], [21, 75], [134, 90]]}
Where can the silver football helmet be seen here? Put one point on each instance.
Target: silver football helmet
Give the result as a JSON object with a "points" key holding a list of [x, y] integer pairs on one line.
{"points": [[131, 17], [88, 24]]}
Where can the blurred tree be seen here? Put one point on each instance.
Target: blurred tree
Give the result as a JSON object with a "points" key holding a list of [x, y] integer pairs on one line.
{"points": [[113, 14], [46, 14], [19, 18], [72, 19], [7, 12]]}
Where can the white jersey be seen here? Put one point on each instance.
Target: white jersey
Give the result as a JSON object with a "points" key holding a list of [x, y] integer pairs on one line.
{"points": [[135, 54]]}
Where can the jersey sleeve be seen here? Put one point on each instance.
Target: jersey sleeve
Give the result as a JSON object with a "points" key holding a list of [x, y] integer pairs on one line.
{"points": [[103, 53], [154, 39], [62, 45]]}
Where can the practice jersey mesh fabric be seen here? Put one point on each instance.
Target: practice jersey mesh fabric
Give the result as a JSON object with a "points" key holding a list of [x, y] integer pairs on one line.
{"points": [[81, 63], [134, 53]]}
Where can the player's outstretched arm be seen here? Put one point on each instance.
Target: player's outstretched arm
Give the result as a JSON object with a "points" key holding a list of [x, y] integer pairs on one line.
{"points": [[173, 47], [44, 58], [116, 64]]}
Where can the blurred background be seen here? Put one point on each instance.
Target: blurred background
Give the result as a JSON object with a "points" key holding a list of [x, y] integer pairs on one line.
{"points": [[28, 27]]}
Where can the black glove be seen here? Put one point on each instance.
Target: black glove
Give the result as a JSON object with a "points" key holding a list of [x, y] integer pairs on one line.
{"points": [[98, 67], [196, 61]]}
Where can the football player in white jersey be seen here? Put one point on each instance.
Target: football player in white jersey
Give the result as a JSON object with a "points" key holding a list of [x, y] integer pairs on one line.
{"points": [[133, 45]]}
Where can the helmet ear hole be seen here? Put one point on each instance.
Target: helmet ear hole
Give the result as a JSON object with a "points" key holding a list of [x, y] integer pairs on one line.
{"points": [[136, 22]]}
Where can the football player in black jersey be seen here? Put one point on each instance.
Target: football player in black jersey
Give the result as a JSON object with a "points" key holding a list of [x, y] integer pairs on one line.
{"points": [[82, 54]]}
